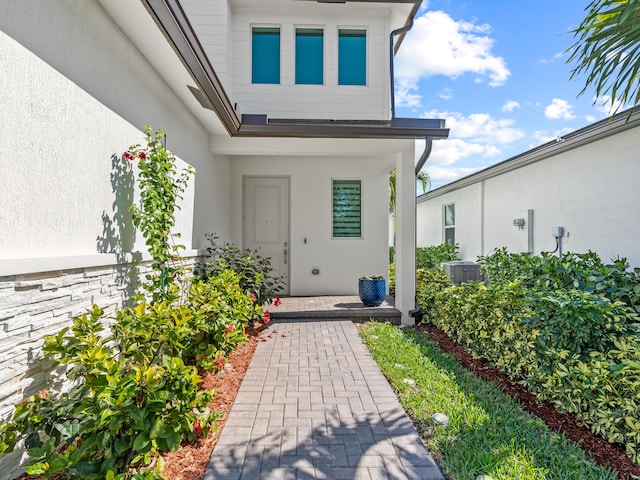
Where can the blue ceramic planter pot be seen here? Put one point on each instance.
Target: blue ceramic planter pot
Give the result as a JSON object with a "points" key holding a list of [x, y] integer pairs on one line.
{"points": [[372, 291]]}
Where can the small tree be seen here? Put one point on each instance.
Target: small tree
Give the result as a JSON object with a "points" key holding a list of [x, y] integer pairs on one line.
{"points": [[607, 50]]}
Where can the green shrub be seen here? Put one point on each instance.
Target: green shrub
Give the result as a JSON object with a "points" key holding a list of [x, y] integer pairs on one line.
{"points": [[578, 350], [203, 331], [427, 258], [120, 413], [585, 272], [255, 272], [491, 322], [603, 391], [429, 284], [432, 257]]}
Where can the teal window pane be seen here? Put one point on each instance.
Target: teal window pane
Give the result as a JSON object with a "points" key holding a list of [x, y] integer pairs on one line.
{"points": [[309, 56], [347, 208], [265, 56], [352, 57]]}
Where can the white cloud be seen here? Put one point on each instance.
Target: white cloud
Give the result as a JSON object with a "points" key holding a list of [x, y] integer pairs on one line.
{"points": [[446, 94], [404, 97], [510, 106], [441, 176], [559, 109], [540, 137], [438, 45], [479, 127], [557, 56], [472, 137], [450, 151], [606, 106]]}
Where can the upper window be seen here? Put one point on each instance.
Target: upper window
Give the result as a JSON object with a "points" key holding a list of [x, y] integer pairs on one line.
{"points": [[309, 56], [347, 208], [352, 57], [265, 55], [449, 212]]}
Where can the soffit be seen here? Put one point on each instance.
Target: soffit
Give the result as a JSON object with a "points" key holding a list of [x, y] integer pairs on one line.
{"points": [[136, 23]]}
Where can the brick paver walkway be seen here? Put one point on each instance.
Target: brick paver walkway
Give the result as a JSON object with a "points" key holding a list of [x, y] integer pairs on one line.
{"points": [[314, 405]]}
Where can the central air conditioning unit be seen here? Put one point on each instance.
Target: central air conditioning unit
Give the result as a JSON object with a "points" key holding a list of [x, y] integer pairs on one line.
{"points": [[460, 271]]}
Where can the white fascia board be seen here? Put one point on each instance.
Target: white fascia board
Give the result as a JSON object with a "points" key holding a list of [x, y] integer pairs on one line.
{"points": [[224, 145]]}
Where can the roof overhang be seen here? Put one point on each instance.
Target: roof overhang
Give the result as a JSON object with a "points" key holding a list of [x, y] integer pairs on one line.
{"points": [[401, 128], [174, 24], [619, 123]]}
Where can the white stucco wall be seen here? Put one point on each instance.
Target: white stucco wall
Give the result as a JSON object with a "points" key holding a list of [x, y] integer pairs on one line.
{"points": [[592, 190], [328, 101], [430, 221], [75, 93], [340, 261]]}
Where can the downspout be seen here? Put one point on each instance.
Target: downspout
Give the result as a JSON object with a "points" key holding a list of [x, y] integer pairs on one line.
{"points": [[392, 82], [429, 140], [397, 31], [425, 155]]}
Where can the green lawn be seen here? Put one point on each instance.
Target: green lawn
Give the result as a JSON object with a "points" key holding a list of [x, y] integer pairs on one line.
{"points": [[487, 433]]}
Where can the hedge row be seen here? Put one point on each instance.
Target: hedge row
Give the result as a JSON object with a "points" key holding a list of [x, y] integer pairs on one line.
{"points": [[566, 328]]}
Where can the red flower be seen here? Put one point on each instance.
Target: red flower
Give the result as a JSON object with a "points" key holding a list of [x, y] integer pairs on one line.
{"points": [[277, 302], [267, 316], [229, 328], [128, 156], [142, 155], [197, 427], [253, 297], [220, 361]]}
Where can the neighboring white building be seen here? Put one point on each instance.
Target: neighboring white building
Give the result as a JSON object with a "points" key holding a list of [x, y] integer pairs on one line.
{"points": [[587, 182], [280, 106]]}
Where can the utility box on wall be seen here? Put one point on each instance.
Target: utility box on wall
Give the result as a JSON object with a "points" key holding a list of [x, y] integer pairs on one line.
{"points": [[460, 271]]}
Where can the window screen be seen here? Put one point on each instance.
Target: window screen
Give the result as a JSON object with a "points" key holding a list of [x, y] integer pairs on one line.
{"points": [[347, 208], [352, 57], [265, 55], [309, 56]]}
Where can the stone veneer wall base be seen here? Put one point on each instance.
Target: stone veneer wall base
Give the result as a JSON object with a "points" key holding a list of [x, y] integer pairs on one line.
{"points": [[35, 304]]}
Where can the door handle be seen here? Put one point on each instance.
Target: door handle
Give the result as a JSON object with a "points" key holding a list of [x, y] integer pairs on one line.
{"points": [[285, 256]]}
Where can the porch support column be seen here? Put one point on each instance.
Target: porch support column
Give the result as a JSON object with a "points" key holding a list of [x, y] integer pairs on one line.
{"points": [[406, 233]]}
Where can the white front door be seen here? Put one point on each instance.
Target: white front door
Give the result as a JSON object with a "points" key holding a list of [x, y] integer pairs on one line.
{"points": [[266, 221]]}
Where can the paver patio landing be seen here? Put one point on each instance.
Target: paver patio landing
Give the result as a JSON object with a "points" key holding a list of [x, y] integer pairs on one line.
{"points": [[314, 405]]}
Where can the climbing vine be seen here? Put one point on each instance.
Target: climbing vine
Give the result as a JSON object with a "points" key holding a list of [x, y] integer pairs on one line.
{"points": [[161, 187]]}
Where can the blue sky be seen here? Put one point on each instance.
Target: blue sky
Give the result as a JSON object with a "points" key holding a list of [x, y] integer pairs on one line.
{"points": [[496, 71]]}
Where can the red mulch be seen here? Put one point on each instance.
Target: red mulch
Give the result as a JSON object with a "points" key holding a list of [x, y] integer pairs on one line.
{"points": [[189, 462], [603, 452]]}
